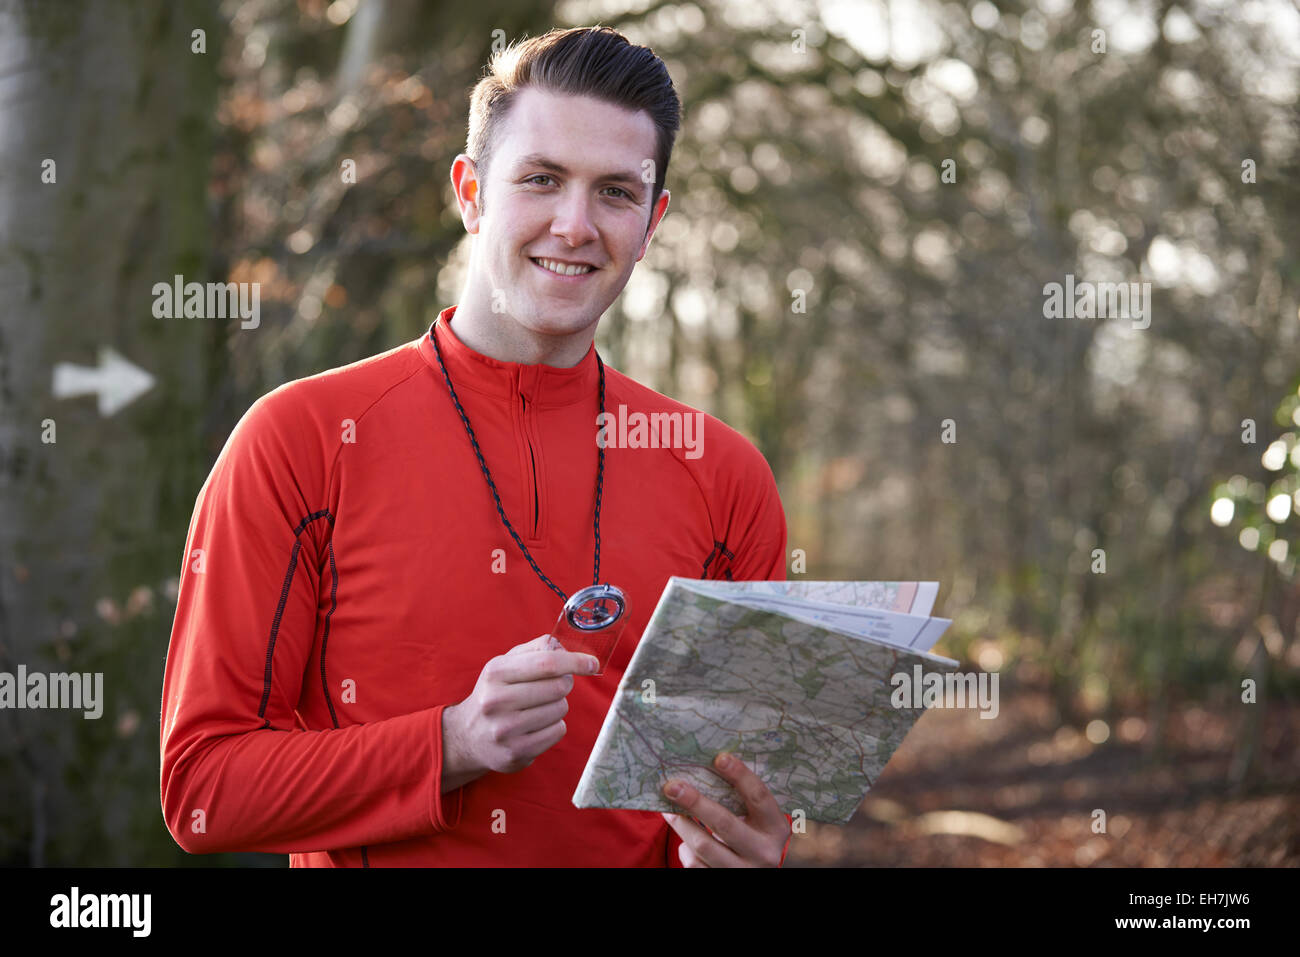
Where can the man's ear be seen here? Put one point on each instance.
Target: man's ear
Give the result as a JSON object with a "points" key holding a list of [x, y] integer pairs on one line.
{"points": [[661, 206], [468, 187]]}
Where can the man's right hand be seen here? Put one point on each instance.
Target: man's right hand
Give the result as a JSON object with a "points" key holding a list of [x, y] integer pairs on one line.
{"points": [[515, 712]]}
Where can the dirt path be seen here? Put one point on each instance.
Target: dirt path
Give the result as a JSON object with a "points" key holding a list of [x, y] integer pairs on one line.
{"points": [[1020, 790]]}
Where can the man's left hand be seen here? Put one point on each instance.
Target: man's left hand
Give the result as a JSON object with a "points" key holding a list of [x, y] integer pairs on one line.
{"points": [[756, 840]]}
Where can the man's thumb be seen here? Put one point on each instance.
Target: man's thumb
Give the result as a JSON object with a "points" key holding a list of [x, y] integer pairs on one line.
{"points": [[540, 643]]}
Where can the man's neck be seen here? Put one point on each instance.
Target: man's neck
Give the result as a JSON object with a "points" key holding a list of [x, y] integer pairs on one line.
{"points": [[499, 337]]}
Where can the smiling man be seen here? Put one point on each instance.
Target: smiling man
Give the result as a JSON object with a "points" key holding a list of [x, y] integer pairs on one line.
{"points": [[353, 676]]}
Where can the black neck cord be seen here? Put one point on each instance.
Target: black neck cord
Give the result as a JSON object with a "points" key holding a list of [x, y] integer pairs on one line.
{"points": [[600, 472]]}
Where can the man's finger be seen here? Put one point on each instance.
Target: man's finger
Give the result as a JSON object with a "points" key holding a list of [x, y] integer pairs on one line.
{"points": [[688, 857], [702, 846], [764, 812], [523, 695], [541, 716], [730, 830], [535, 665]]}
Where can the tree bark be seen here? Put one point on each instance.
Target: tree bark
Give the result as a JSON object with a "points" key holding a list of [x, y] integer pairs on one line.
{"points": [[94, 508]]}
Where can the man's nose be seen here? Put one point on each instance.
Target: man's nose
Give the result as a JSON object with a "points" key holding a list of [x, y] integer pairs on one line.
{"points": [[572, 221]]}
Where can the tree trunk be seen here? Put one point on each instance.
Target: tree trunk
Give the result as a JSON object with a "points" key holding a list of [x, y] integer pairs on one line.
{"points": [[94, 508]]}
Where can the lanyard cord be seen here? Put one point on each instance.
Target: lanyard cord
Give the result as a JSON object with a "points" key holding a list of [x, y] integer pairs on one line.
{"points": [[600, 472]]}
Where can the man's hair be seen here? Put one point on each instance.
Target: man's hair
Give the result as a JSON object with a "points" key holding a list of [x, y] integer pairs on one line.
{"points": [[586, 61]]}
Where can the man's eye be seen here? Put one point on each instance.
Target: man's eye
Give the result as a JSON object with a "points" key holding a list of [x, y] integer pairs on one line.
{"points": [[534, 178]]}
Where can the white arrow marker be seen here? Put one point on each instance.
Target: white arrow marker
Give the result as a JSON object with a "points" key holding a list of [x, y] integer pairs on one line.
{"points": [[117, 382]]}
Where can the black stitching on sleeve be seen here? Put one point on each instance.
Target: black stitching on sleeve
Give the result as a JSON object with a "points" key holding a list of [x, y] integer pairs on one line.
{"points": [[325, 637], [718, 547], [284, 597]]}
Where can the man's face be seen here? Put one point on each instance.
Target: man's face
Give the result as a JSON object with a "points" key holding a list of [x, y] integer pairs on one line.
{"points": [[564, 185]]}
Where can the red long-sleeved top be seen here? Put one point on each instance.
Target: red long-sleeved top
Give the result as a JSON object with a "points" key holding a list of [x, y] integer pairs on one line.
{"points": [[343, 582]]}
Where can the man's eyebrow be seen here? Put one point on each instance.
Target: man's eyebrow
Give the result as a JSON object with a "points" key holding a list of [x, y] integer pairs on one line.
{"points": [[617, 176]]}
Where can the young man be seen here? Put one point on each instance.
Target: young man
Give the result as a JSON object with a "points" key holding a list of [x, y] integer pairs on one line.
{"points": [[350, 678]]}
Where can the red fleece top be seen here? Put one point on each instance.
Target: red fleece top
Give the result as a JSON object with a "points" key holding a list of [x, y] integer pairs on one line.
{"points": [[347, 576]]}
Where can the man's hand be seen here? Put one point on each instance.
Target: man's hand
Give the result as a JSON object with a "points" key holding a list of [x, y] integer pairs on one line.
{"points": [[755, 840], [515, 712]]}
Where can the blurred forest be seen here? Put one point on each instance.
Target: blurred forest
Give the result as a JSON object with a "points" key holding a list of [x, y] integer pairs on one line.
{"points": [[868, 199]]}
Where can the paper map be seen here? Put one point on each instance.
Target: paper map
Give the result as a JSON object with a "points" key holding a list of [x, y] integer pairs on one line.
{"points": [[792, 677]]}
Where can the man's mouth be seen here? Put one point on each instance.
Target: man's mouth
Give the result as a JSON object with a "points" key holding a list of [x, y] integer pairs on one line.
{"points": [[562, 270]]}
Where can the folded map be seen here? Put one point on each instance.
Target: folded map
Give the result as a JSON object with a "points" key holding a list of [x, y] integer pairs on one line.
{"points": [[794, 678]]}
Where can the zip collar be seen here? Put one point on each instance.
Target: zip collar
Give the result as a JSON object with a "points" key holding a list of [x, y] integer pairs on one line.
{"points": [[541, 385]]}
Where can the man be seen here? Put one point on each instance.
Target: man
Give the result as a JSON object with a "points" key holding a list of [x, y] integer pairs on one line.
{"points": [[349, 679]]}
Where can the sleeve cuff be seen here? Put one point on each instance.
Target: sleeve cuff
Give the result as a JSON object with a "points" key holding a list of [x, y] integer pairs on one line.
{"points": [[445, 809]]}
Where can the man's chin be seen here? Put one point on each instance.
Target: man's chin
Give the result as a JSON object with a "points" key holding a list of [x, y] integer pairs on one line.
{"points": [[559, 322], [560, 330]]}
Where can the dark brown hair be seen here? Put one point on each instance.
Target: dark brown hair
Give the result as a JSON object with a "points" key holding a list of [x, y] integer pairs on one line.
{"points": [[586, 61]]}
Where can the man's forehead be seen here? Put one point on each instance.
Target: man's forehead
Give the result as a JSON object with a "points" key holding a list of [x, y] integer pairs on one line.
{"points": [[581, 132]]}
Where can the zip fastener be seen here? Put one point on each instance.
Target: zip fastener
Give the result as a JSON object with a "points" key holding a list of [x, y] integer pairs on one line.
{"points": [[533, 460]]}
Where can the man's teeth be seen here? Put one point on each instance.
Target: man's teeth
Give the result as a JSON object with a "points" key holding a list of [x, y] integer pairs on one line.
{"points": [[561, 268]]}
